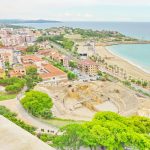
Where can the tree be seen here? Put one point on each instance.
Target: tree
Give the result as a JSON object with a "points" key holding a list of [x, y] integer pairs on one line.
{"points": [[13, 85], [46, 137], [145, 84], [74, 137], [32, 49], [38, 104], [71, 76], [31, 71], [138, 82], [67, 44], [32, 77], [72, 64], [107, 131], [7, 65], [127, 83]]}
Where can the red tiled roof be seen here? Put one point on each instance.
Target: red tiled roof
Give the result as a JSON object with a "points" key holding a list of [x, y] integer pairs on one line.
{"points": [[1, 70], [31, 57], [87, 62], [52, 72], [21, 48], [15, 74], [42, 52]]}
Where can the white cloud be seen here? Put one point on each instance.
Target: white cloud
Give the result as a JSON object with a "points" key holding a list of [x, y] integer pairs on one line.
{"points": [[61, 9]]}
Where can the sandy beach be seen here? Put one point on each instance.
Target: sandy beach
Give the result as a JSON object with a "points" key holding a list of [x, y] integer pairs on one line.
{"points": [[113, 59]]}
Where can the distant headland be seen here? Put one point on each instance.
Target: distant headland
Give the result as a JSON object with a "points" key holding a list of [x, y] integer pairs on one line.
{"points": [[15, 21]]}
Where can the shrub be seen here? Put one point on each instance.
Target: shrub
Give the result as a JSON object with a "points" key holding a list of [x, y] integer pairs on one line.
{"points": [[107, 131], [71, 76], [13, 85], [38, 104]]}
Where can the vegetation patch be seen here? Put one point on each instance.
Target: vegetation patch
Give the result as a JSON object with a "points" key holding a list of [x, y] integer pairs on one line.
{"points": [[6, 96], [38, 104], [61, 40], [32, 77], [70, 74], [107, 131], [13, 85], [32, 49], [13, 117]]}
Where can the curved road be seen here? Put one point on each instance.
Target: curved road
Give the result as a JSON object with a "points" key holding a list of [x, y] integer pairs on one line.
{"points": [[15, 106]]}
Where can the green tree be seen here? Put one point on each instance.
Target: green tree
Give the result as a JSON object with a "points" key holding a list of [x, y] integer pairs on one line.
{"points": [[72, 64], [38, 104], [107, 131], [32, 77], [145, 84], [32, 49], [67, 44], [71, 76], [13, 85]]}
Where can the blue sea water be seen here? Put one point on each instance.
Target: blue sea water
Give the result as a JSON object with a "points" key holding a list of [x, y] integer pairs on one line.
{"points": [[138, 54]]}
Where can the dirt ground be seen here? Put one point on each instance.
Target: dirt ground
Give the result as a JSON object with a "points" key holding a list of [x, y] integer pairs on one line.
{"points": [[80, 101]]}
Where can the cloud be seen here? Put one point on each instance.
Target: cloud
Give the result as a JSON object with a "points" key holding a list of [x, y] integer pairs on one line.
{"points": [[67, 9]]}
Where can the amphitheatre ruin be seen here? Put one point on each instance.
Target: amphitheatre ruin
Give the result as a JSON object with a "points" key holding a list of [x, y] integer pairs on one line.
{"points": [[80, 101]]}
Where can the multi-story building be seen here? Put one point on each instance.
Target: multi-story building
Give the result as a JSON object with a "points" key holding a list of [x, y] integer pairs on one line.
{"points": [[6, 55], [46, 71], [14, 40], [13, 37], [88, 67], [30, 59], [55, 56]]}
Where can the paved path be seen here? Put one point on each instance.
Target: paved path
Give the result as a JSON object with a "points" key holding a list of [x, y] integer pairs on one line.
{"points": [[15, 106]]}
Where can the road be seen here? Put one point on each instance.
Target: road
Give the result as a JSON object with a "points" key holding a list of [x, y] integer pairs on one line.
{"points": [[62, 50], [15, 106]]}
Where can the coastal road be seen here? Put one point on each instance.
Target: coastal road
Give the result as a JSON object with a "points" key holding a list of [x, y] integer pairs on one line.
{"points": [[62, 50]]}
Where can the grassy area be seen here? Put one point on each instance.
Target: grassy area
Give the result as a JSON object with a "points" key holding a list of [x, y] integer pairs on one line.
{"points": [[6, 96], [56, 122]]}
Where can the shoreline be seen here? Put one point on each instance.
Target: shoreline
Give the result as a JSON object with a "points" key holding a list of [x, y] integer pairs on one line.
{"points": [[125, 59], [131, 68]]}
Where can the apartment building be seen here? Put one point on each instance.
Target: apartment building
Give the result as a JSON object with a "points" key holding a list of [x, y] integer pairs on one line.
{"points": [[88, 67], [45, 70], [55, 56], [6, 55]]}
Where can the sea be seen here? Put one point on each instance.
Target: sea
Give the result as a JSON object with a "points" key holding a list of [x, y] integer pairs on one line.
{"points": [[137, 54]]}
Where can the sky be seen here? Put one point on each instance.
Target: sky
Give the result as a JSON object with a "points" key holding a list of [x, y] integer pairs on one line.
{"points": [[76, 10]]}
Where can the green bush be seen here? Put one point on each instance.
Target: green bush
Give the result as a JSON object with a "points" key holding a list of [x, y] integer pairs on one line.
{"points": [[72, 64], [127, 83], [46, 137], [13, 85], [108, 131], [32, 77], [32, 49], [71, 76], [38, 104]]}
